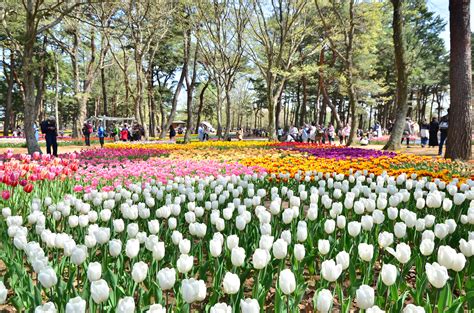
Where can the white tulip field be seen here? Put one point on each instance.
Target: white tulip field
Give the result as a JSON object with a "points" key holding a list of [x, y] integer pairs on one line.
{"points": [[316, 242]]}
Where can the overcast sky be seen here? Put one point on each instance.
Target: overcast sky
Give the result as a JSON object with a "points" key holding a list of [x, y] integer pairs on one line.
{"points": [[441, 7]]}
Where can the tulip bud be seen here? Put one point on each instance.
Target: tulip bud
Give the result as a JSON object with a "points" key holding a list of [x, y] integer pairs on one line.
{"points": [[76, 305], [437, 275], [231, 283], [166, 278], [324, 301], [139, 272], [365, 297], [249, 306], [287, 281], [126, 305], [94, 271], [99, 291], [330, 271]]}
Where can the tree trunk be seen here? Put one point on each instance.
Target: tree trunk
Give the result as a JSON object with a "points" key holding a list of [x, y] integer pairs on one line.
{"points": [[305, 101], [174, 102], [76, 130], [394, 141], [56, 92], [9, 100], [201, 105], [459, 141], [228, 116], [350, 79], [29, 83], [104, 88]]}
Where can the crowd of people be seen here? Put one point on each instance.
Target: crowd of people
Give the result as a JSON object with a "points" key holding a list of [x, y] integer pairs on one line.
{"points": [[314, 133], [431, 134]]}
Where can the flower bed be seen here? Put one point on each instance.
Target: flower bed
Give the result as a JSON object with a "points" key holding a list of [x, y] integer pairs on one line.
{"points": [[236, 228]]}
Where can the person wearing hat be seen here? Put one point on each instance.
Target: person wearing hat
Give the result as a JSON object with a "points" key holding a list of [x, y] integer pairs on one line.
{"points": [[50, 130]]}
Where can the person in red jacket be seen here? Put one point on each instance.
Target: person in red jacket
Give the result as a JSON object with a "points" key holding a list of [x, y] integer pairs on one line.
{"points": [[124, 133]]}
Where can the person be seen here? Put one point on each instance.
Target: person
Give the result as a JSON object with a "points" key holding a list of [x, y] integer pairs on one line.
{"points": [[331, 133], [346, 132], [201, 132], [443, 131], [172, 133], [364, 141], [305, 134], [319, 135], [340, 136], [48, 127], [378, 129], [101, 135], [280, 133], [407, 131], [86, 131], [35, 128], [294, 133], [434, 127], [116, 133], [124, 133], [240, 134], [424, 133]]}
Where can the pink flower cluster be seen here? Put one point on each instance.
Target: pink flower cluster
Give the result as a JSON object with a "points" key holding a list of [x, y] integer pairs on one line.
{"points": [[24, 169], [123, 172]]}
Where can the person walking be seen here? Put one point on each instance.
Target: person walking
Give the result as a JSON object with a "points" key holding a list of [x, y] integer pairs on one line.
{"points": [[424, 133], [35, 128], [101, 135], [49, 129], [124, 133], [116, 133], [443, 132], [172, 133], [87, 131], [331, 133], [407, 131], [434, 128]]}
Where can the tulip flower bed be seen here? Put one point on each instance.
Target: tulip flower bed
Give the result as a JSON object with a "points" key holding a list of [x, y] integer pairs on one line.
{"points": [[177, 228], [245, 244]]}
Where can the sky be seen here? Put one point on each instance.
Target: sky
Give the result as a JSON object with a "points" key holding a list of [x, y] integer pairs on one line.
{"points": [[441, 7]]}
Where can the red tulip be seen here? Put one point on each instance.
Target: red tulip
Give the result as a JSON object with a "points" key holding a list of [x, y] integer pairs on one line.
{"points": [[6, 194], [23, 182], [28, 188]]}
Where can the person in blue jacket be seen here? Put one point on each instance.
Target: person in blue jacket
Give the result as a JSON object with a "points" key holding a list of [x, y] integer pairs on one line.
{"points": [[101, 135]]}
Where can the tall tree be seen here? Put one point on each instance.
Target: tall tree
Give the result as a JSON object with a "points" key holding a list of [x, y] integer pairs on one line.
{"points": [[278, 33], [401, 103], [39, 16], [459, 141]]}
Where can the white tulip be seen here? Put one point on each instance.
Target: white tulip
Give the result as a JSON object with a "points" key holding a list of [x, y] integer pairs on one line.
{"points": [[99, 291], [94, 271], [437, 274], [366, 251], [324, 301], [365, 297], [279, 249], [323, 246], [330, 271], [287, 281], [389, 274], [166, 278], [184, 263], [231, 283], [343, 259], [237, 256], [139, 272]]}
